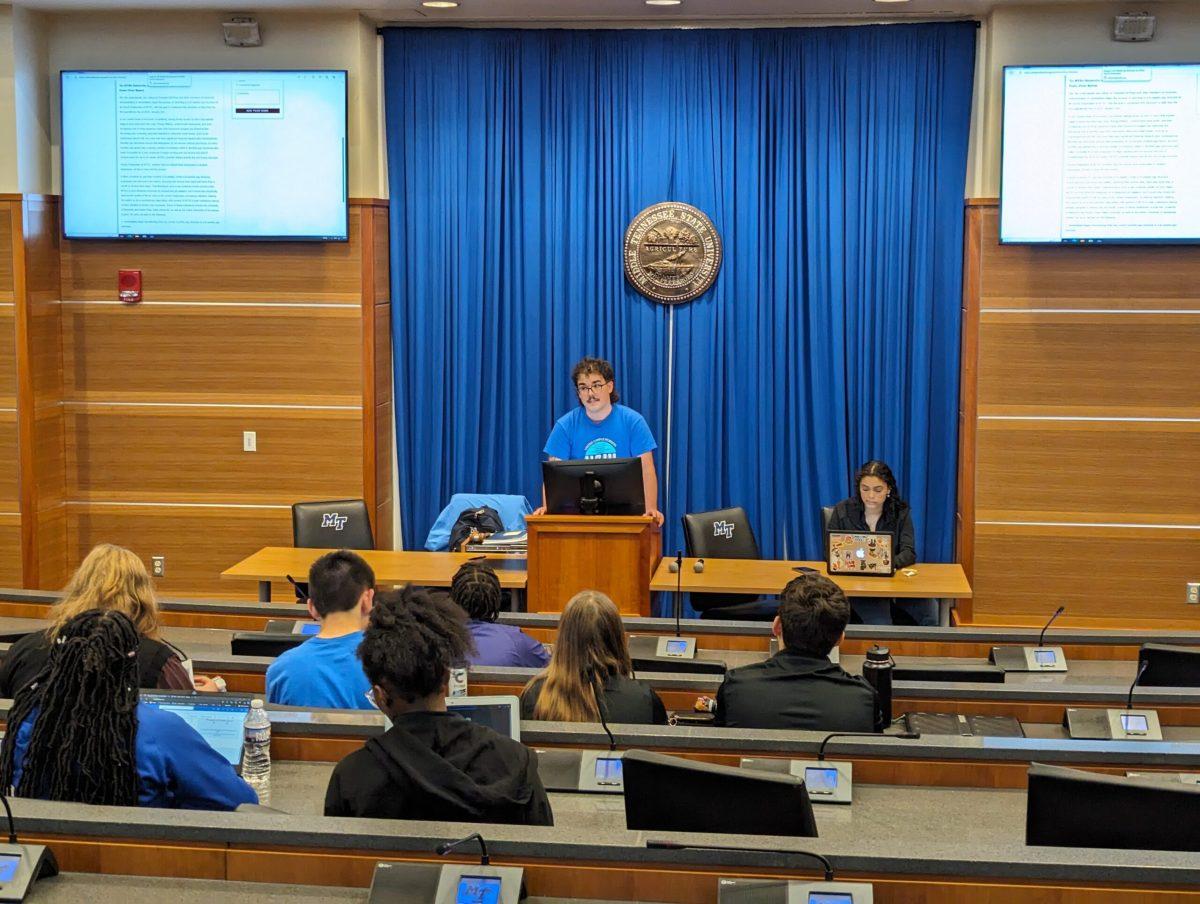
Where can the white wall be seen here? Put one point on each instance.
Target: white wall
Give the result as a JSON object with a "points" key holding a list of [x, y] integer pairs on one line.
{"points": [[192, 40], [8, 115], [1066, 33], [31, 75]]}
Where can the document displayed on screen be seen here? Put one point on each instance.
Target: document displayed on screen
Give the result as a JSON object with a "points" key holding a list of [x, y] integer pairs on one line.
{"points": [[1101, 154], [235, 155]]}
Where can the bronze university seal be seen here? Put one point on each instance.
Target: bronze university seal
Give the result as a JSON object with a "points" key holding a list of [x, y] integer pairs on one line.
{"points": [[672, 252]]}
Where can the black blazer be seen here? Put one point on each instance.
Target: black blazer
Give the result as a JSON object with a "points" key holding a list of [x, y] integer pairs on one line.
{"points": [[626, 701], [896, 519], [798, 691]]}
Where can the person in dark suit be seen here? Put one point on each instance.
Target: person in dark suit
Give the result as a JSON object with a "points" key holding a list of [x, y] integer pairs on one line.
{"points": [[798, 687], [591, 667], [876, 507]]}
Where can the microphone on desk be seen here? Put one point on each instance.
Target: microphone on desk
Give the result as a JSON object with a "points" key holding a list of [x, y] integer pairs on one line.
{"points": [[1057, 612], [677, 567], [599, 698], [446, 847], [654, 844], [1142, 666], [905, 735]]}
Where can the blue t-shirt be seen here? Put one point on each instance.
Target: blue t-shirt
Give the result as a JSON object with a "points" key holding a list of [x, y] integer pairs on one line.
{"points": [[323, 673], [623, 434], [505, 645], [176, 767]]}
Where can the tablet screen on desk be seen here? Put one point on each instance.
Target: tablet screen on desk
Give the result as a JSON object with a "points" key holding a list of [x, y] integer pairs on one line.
{"points": [[676, 647], [608, 771], [1044, 657], [307, 628], [820, 779], [478, 890], [8, 867], [1131, 722], [830, 897]]}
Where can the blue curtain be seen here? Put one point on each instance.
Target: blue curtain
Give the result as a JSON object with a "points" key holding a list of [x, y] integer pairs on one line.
{"points": [[832, 162]]}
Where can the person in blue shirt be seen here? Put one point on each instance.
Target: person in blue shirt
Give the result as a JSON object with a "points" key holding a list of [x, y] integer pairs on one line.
{"points": [[602, 428], [324, 672], [476, 590], [78, 733]]}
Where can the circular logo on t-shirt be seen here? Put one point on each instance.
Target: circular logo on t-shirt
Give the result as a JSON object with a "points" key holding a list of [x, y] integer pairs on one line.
{"points": [[600, 448]]}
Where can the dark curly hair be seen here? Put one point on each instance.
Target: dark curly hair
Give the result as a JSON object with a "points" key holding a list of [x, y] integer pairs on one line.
{"points": [[595, 366], [477, 590], [814, 613], [81, 748], [412, 641]]}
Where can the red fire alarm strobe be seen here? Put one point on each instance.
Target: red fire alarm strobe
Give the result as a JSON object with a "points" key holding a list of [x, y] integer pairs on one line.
{"points": [[129, 286]]}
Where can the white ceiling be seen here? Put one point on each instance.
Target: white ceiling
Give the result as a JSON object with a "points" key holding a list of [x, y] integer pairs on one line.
{"points": [[575, 11]]}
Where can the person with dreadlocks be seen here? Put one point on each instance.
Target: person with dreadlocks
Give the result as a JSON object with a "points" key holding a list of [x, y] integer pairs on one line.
{"points": [[109, 577], [431, 764], [78, 732], [477, 591]]}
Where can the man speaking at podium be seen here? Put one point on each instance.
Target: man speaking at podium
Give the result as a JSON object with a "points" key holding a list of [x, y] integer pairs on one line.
{"points": [[600, 428]]}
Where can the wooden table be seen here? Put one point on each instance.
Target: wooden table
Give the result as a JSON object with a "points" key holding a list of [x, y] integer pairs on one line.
{"points": [[427, 569], [764, 576]]}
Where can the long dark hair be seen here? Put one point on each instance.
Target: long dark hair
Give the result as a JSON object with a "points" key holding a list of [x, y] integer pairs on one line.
{"points": [[876, 468], [81, 747]]}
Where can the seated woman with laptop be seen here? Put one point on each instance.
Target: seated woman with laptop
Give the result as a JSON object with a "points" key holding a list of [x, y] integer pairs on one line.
{"points": [[78, 733], [876, 507], [590, 668]]}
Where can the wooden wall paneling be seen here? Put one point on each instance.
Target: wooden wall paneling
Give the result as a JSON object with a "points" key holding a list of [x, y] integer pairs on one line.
{"points": [[9, 492], [10, 549], [261, 272], [199, 542], [205, 354], [1104, 471], [6, 248], [135, 858], [968, 402], [8, 345], [383, 254], [1088, 364], [1122, 575], [164, 453], [370, 476]]}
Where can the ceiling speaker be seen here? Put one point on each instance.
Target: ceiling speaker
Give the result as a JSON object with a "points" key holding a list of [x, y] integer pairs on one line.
{"points": [[242, 31]]}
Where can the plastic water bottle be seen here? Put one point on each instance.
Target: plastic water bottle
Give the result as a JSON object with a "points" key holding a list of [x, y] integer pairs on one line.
{"points": [[458, 682], [256, 751]]}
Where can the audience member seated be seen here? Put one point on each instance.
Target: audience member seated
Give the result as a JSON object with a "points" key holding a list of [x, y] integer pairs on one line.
{"points": [[477, 590], [323, 672], [798, 687], [875, 506], [78, 732], [431, 764], [591, 662], [109, 578]]}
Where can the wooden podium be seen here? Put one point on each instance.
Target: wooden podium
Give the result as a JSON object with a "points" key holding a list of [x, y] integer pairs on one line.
{"points": [[613, 554]]}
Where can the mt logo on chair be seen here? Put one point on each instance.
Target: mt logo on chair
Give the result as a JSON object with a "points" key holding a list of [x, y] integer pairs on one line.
{"points": [[334, 520], [723, 529]]}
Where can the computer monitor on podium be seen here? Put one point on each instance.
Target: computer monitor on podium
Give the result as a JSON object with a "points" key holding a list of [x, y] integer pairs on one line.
{"points": [[1169, 666], [594, 486], [671, 794]]}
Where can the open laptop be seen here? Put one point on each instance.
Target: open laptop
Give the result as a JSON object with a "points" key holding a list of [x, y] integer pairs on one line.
{"points": [[853, 553], [218, 718], [502, 714]]}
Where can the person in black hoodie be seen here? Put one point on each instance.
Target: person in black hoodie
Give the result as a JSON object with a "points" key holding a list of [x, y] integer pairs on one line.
{"points": [[876, 507], [431, 764]]}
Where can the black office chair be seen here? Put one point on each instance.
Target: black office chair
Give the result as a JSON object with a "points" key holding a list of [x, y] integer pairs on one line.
{"points": [[339, 524], [826, 517], [725, 534]]}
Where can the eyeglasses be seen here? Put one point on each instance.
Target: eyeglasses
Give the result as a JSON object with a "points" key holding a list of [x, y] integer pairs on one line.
{"points": [[594, 387]]}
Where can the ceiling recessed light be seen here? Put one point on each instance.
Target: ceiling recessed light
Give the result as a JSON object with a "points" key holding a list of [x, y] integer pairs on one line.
{"points": [[440, 4], [663, 2], [891, 1]]}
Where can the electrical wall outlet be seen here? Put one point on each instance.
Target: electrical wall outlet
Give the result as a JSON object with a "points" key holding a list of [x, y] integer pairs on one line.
{"points": [[1193, 593], [158, 566], [249, 441]]}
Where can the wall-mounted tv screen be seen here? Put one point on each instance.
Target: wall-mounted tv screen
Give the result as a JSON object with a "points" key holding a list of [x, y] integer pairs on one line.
{"points": [[1095, 154], [204, 155]]}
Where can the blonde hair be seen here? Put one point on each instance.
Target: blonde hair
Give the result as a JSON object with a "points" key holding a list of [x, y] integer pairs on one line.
{"points": [[589, 649], [111, 578]]}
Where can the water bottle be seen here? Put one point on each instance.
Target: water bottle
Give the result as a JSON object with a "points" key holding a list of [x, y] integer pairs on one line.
{"points": [[458, 682], [256, 751], [877, 669]]}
